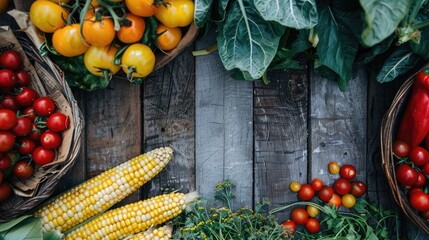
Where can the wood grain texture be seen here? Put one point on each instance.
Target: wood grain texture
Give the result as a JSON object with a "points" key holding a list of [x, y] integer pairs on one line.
{"points": [[169, 112], [338, 126], [113, 128], [224, 148], [280, 131]]}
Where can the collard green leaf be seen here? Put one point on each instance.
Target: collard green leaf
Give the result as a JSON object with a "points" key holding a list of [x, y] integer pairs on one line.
{"points": [[203, 10], [246, 41], [221, 8], [298, 14], [29, 229], [422, 48], [382, 17], [398, 63], [337, 47], [369, 54], [284, 60], [301, 43]]}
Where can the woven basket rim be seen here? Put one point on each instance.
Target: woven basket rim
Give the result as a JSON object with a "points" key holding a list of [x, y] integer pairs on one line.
{"points": [[47, 187], [387, 158]]}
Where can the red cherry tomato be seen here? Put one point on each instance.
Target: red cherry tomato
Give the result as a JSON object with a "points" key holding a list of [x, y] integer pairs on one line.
{"points": [[23, 77], [306, 193], [358, 188], [26, 146], [419, 200], [312, 225], [425, 168], [26, 97], [401, 149], [348, 171], [290, 225], [8, 79], [23, 127], [299, 215], [11, 59], [335, 200], [406, 175], [8, 119], [5, 191], [50, 140], [342, 186], [29, 113], [421, 180], [43, 156], [35, 133], [9, 102], [44, 106], [5, 162], [317, 184], [7, 140], [325, 194], [23, 170], [58, 122], [419, 156]]}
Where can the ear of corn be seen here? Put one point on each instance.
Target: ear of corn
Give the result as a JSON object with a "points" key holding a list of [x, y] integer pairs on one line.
{"points": [[102, 191], [162, 233], [133, 218]]}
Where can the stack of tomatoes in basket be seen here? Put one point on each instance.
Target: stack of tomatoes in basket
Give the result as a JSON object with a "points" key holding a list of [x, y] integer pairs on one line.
{"points": [[30, 125], [412, 144]]}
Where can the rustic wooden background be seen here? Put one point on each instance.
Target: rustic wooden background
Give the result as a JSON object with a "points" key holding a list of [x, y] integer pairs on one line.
{"points": [[262, 137]]}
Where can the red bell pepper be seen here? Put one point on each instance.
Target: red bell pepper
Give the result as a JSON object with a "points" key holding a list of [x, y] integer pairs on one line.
{"points": [[414, 126]]}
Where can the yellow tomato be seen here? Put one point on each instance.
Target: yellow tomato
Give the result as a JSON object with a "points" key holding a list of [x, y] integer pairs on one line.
{"points": [[59, 1], [348, 200], [168, 37], [295, 186], [334, 167], [48, 16], [68, 42], [177, 13], [312, 211], [140, 59], [100, 59], [98, 33]]}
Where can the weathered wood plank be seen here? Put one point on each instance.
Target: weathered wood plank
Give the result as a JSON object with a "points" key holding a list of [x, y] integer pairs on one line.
{"points": [[113, 128], [338, 126], [224, 126], [169, 112], [280, 119]]}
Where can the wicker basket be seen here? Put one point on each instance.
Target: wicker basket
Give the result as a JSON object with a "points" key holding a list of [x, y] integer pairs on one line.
{"points": [[388, 128], [18, 205]]}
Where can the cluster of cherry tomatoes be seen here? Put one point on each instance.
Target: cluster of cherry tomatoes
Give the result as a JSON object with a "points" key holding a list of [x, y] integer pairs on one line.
{"points": [[30, 126], [113, 34], [411, 171], [343, 192]]}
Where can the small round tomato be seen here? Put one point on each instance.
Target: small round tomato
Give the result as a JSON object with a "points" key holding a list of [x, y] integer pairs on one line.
{"points": [[312, 225], [419, 200], [24, 79], [342, 186], [406, 175], [421, 180], [425, 215], [419, 156], [143, 8], [35, 133], [132, 30], [26, 146], [295, 186], [11, 59], [139, 59], [401, 148], [23, 170], [425, 169], [335, 200], [168, 37], [317, 184], [7, 140], [5, 162], [334, 167], [58, 122], [60, 1], [325, 194], [44, 106], [8, 119], [290, 226], [177, 13], [5, 191], [26, 97], [29, 113], [48, 16], [23, 127], [358, 188], [8, 78], [348, 200], [68, 41], [50, 140], [9, 102], [43, 156], [101, 59], [312, 211], [348, 171], [306, 193], [299, 215], [98, 33]]}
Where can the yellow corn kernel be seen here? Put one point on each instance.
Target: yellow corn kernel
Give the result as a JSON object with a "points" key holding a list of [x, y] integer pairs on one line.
{"points": [[162, 233], [101, 192], [144, 219]]}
